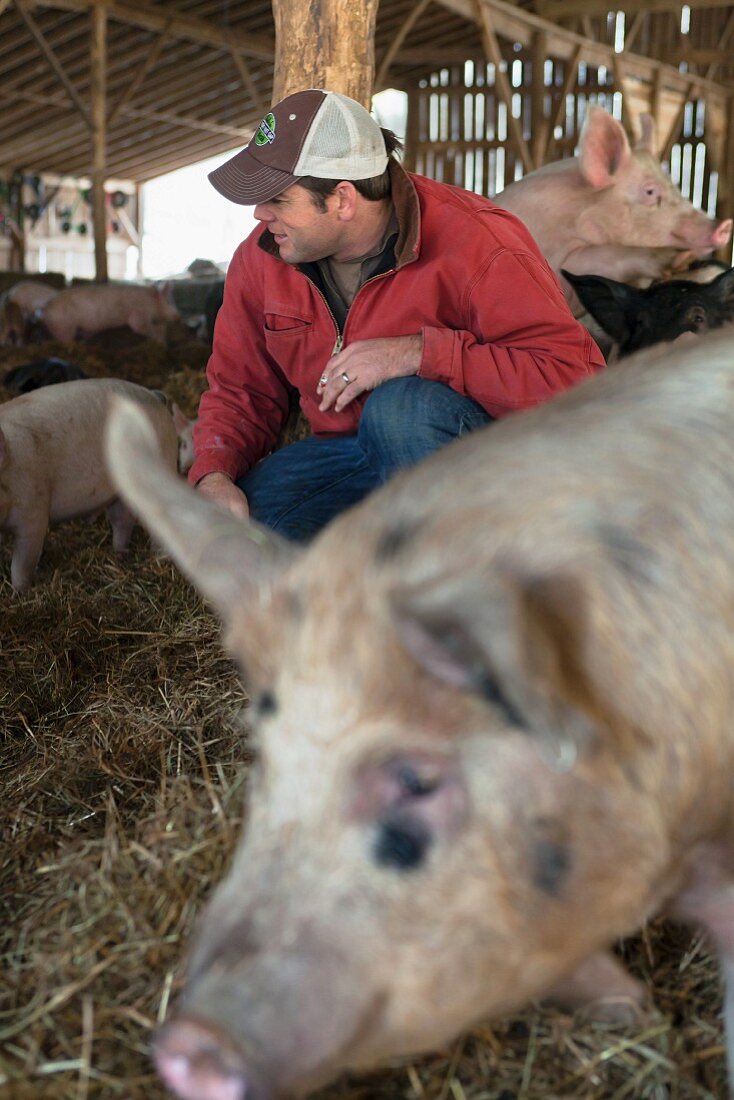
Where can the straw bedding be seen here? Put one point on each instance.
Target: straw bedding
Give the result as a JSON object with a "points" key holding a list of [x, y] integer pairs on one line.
{"points": [[124, 759]]}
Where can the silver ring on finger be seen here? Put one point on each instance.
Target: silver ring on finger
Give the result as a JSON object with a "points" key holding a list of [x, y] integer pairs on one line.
{"points": [[323, 379], [346, 377]]}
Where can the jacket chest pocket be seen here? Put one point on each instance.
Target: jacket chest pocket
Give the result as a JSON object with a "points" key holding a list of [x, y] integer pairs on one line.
{"points": [[282, 326]]}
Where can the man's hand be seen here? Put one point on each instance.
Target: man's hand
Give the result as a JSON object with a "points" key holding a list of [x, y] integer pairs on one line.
{"points": [[222, 490], [364, 365]]}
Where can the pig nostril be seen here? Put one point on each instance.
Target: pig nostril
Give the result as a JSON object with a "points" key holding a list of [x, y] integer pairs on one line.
{"points": [[197, 1065]]}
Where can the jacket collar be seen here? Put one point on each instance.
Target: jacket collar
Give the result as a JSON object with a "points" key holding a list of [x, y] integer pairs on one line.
{"points": [[407, 209]]}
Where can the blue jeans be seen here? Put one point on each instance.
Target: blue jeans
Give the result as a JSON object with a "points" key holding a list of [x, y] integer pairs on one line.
{"points": [[298, 489]]}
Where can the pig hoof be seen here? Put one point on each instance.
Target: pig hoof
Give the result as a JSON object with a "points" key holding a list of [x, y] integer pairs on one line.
{"points": [[196, 1063]]}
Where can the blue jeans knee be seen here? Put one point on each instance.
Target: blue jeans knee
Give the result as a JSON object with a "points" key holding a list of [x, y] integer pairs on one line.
{"points": [[406, 419]]}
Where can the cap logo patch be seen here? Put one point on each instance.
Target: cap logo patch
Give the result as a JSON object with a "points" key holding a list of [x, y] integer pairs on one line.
{"points": [[266, 130]]}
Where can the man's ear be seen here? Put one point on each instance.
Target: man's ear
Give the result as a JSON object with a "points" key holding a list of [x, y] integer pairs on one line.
{"points": [[347, 198]]}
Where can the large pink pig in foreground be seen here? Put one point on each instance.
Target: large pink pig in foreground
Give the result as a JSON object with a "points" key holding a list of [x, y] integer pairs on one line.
{"points": [[85, 310], [611, 210], [494, 709], [52, 468]]}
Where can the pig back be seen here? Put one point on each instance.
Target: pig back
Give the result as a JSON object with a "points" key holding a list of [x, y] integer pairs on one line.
{"points": [[54, 439]]}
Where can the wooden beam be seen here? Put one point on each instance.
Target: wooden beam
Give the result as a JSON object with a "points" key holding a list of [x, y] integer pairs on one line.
{"points": [[53, 61], [248, 82], [677, 122], [726, 36], [564, 9], [391, 52], [98, 73], [572, 68], [631, 32], [502, 84], [538, 124], [518, 24], [186, 122], [182, 26], [148, 62]]}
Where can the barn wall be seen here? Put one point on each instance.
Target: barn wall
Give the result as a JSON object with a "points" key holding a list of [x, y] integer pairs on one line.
{"points": [[55, 218]]}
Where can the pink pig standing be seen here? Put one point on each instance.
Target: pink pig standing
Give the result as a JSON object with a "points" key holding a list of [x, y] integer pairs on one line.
{"points": [[611, 210], [85, 310], [18, 306], [51, 464]]}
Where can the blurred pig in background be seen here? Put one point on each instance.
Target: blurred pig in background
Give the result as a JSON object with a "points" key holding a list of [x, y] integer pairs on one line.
{"points": [[637, 318], [19, 306], [52, 468], [523, 752], [86, 310], [611, 210]]}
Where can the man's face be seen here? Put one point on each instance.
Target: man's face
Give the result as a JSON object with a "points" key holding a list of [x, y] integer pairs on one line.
{"points": [[302, 232]]}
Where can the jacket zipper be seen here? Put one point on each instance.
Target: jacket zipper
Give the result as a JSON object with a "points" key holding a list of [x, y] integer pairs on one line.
{"points": [[339, 342], [372, 279]]}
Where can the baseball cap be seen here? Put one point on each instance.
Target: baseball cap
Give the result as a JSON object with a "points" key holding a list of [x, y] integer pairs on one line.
{"points": [[309, 133]]}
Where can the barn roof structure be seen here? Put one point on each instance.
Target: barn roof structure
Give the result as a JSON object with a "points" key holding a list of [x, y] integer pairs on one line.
{"points": [[187, 80]]}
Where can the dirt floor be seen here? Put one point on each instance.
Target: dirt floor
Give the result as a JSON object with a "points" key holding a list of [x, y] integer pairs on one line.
{"points": [[124, 755]]}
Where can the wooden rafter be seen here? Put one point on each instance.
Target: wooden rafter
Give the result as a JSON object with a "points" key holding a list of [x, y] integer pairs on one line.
{"points": [[572, 68], [246, 77], [391, 52], [53, 61], [674, 130], [518, 25], [631, 31], [182, 26], [148, 62], [185, 121], [502, 84], [726, 37], [565, 9]]}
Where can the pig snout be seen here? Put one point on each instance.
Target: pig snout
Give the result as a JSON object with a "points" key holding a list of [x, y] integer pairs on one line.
{"points": [[198, 1062], [702, 235]]}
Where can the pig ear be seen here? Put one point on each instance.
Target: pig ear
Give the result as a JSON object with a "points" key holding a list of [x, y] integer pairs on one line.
{"points": [[522, 650], [180, 419], [723, 286], [603, 148], [229, 560], [647, 140], [610, 303]]}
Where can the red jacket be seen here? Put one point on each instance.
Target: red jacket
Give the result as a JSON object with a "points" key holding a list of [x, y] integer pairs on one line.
{"points": [[467, 275]]}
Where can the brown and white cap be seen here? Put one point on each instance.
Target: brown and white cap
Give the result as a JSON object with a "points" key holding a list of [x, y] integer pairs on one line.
{"points": [[310, 133]]}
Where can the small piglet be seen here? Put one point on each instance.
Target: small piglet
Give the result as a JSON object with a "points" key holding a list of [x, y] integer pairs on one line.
{"points": [[494, 713], [637, 318], [86, 310], [52, 467]]}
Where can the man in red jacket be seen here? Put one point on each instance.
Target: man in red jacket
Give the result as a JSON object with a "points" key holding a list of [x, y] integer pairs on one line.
{"points": [[403, 312]]}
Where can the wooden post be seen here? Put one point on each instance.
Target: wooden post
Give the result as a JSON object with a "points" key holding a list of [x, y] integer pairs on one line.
{"points": [[325, 44], [99, 137]]}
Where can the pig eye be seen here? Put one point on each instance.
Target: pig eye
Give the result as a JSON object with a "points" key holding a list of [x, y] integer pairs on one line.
{"points": [[414, 785], [697, 318], [265, 703], [401, 845]]}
